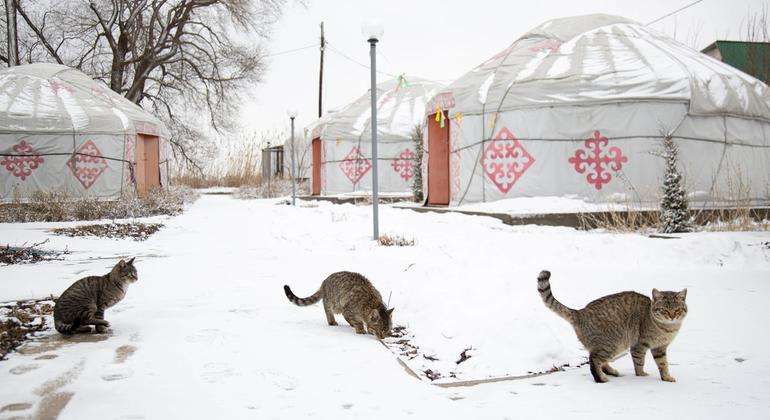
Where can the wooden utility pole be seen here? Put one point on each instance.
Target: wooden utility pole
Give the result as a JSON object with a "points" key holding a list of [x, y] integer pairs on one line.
{"points": [[13, 39], [321, 74]]}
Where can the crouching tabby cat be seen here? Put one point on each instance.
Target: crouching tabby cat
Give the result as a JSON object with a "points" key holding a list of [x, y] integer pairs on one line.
{"points": [[610, 325], [353, 296], [83, 303]]}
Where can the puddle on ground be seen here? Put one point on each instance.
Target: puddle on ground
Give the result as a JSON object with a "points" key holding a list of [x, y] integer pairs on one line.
{"points": [[52, 405], [15, 407], [53, 402], [47, 357], [52, 385], [122, 353], [20, 370], [57, 341]]}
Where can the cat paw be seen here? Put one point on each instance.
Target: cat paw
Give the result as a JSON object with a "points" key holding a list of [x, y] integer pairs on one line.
{"points": [[668, 378], [100, 329], [642, 373]]}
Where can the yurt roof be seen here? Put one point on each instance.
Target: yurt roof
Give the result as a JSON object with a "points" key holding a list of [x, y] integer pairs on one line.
{"points": [[51, 98], [604, 59], [400, 107]]}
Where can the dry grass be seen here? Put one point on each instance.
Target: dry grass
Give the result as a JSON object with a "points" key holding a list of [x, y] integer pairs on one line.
{"points": [[630, 220], [274, 188], [58, 206], [136, 231], [395, 240], [242, 169], [19, 320]]}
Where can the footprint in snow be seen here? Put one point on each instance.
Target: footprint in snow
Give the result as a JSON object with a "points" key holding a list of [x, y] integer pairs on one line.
{"points": [[116, 373], [217, 372], [278, 379], [22, 369]]}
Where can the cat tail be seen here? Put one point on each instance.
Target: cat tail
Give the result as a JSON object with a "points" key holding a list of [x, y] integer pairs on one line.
{"points": [[315, 297], [544, 287], [63, 328]]}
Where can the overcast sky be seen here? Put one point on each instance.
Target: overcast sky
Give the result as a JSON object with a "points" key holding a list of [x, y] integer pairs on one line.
{"points": [[439, 40]]}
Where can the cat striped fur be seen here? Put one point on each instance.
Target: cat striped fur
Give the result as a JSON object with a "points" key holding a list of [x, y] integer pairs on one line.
{"points": [[84, 302], [610, 325], [353, 296]]}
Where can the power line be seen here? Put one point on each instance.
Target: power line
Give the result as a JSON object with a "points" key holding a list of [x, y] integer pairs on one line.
{"points": [[292, 50], [673, 13], [347, 57]]}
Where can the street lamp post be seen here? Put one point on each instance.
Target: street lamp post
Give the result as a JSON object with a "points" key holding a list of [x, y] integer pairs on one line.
{"points": [[373, 32], [293, 114]]}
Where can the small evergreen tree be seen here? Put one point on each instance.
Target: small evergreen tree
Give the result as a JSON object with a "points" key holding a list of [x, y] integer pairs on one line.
{"points": [[674, 215], [418, 151]]}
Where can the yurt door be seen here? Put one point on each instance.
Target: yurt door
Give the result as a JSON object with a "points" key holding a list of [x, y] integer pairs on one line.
{"points": [[438, 161], [147, 168], [316, 166]]}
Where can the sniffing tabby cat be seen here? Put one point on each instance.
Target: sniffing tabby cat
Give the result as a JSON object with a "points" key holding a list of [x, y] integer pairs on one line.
{"points": [[83, 303], [353, 296], [611, 324]]}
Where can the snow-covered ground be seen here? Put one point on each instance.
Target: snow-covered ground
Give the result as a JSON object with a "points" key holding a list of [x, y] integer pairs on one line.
{"points": [[208, 332]]}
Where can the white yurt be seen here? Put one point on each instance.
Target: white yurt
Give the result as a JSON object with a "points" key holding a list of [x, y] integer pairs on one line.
{"points": [[578, 107], [62, 131], [341, 141]]}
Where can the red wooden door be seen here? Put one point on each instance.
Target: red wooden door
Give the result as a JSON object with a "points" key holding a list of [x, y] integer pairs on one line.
{"points": [[438, 161], [147, 168], [316, 166]]}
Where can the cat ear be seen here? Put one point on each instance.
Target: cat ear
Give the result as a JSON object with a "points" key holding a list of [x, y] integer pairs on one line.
{"points": [[374, 315], [655, 294], [682, 295], [131, 261], [390, 311], [121, 263]]}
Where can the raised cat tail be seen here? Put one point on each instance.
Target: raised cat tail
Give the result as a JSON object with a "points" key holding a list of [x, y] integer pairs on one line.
{"points": [[544, 287], [315, 297]]}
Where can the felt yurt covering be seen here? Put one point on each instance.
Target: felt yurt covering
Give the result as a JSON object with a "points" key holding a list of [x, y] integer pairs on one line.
{"points": [[579, 106], [341, 140], [60, 130]]}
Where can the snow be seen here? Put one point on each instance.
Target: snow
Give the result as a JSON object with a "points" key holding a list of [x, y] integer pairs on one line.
{"points": [[208, 332], [484, 88], [543, 205]]}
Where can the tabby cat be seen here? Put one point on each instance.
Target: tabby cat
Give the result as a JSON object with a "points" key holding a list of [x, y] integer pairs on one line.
{"points": [[83, 303], [611, 324], [353, 296]]}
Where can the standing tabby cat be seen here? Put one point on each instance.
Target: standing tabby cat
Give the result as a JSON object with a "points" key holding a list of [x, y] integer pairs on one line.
{"points": [[83, 303], [611, 324], [353, 296]]}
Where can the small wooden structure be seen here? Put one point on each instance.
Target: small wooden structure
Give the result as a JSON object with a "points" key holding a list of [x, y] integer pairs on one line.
{"points": [[272, 162]]}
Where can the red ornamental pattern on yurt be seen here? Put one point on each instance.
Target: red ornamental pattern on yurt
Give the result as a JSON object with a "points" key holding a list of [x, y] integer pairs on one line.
{"points": [[129, 150], [355, 165], [505, 160], [87, 165], [22, 166], [404, 164], [599, 159]]}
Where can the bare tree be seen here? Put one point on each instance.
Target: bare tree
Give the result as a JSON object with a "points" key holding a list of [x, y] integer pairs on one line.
{"points": [[758, 55], [188, 61]]}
